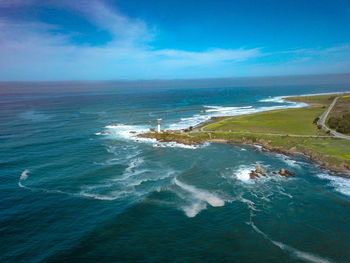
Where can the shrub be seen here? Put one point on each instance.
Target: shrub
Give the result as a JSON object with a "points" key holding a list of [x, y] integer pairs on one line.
{"points": [[333, 122], [344, 126]]}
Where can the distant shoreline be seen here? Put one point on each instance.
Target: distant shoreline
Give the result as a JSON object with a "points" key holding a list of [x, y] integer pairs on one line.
{"points": [[252, 129]]}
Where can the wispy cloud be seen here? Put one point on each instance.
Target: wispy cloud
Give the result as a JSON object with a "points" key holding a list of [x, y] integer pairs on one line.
{"points": [[29, 50]]}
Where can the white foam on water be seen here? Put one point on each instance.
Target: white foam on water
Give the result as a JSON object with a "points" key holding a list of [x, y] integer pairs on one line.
{"points": [[250, 204], [161, 175], [127, 132], [289, 161], [277, 99], [243, 172], [257, 146], [194, 209], [227, 110], [84, 193], [302, 255], [24, 175], [133, 164], [176, 145], [222, 111], [340, 184], [132, 132], [100, 196], [189, 121], [201, 194], [218, 111], [282, 191]]}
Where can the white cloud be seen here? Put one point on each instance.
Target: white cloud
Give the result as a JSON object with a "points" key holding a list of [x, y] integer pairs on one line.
{"points": [[29, 50]]}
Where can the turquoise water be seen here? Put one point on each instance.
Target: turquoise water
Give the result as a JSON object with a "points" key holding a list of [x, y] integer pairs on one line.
{"points": [[77, 186]]}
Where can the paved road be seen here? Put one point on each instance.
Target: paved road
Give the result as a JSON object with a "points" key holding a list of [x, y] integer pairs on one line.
{"points": [[323, 119]]}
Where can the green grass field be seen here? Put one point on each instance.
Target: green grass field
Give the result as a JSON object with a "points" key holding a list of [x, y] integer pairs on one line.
{"points": [[291, 121], [287, 130]]}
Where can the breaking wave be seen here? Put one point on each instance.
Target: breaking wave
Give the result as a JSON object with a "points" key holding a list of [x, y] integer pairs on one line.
{"points": [[221, 111], [340, 184], [132, 132], [243, 172], [277, 99], [24, 176]]}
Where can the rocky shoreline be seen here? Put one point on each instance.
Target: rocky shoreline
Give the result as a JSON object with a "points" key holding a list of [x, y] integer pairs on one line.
{"points": [[184, 138]]}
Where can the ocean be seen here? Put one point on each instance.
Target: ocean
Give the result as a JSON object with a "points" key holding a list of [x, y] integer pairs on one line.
{"points": [[78, 185]]}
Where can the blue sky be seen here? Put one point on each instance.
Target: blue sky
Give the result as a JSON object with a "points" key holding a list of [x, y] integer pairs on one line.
{"points": [[168, 39]]}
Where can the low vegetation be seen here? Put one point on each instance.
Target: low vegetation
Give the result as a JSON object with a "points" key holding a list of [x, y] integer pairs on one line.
{"points": [[339, 119], [288, 131]]}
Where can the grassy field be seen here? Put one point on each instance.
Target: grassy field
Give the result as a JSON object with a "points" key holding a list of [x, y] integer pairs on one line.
{"points": [[291, 121], [288, 131]]}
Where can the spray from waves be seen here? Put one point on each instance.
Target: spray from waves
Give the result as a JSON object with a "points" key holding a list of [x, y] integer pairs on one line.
{"points": [[194, 209], [298, 254], [24, 176], [132, 132], [286, 159], [243, 172], [200, 199], [206, 196], [340, 184], [178, 145]]}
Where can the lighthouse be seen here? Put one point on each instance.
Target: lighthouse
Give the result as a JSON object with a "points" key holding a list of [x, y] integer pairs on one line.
{"points": [[158, 125]]}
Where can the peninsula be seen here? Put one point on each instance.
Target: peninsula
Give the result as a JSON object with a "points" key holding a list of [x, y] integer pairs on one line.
{"points": [[319, 131]]}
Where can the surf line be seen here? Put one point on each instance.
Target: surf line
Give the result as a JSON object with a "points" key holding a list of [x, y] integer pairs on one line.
{"points": [[302, 255], [25, 175]]}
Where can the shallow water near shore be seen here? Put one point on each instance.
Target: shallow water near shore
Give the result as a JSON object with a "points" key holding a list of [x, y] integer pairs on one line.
{"points": [[77, 185]]}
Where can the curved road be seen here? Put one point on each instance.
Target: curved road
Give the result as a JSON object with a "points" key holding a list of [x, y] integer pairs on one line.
{"points": [[323, 119]]}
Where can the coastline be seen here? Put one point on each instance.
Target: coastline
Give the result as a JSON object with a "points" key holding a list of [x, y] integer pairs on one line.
{"points": [[197, 135]]}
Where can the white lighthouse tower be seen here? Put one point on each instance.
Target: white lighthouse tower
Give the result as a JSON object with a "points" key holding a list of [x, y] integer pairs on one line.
{"points": [[158, 125]]}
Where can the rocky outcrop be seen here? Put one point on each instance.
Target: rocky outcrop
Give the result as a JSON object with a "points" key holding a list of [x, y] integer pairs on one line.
{"points": [[258, 172], [284, 172]]}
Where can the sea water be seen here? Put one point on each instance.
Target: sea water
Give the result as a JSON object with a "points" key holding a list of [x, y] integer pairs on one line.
{"points": [[78, 185]]}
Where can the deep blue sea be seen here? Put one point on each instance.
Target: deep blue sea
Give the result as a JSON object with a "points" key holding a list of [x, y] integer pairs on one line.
{"points": [[77, 185]]}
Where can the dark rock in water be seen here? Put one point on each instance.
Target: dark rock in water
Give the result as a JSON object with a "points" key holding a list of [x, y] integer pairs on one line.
{"points": [[133, 132], [289, 173], [258, 172], [258, 168], [284, 172], [253, 174]]}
